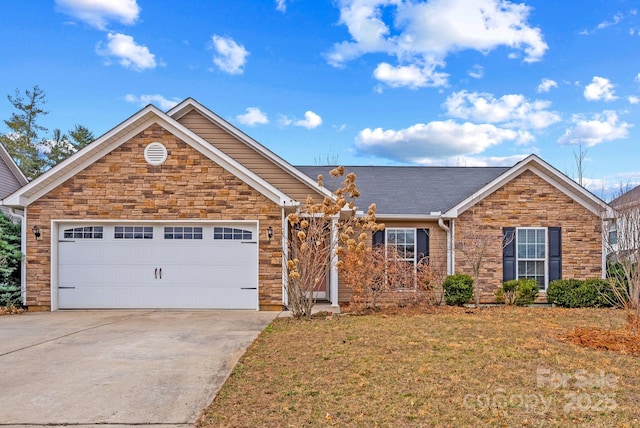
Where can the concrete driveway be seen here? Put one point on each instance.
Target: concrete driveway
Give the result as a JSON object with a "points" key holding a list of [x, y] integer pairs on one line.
{"points": [[133, 367]]}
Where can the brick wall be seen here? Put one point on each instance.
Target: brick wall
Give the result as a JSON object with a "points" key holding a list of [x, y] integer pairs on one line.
{"points": [[123, 186], [529, 201]]}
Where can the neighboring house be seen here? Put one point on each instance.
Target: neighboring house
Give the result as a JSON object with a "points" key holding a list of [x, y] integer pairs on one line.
{"points": [[182, 210], [627, 216], [11, 178]]}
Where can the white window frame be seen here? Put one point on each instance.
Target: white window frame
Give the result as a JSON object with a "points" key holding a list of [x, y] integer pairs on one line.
{"points": [[545, 260], [412, 260], [415, 242]]}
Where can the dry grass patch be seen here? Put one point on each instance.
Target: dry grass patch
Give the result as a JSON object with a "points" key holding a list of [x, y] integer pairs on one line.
{"points": [[500, 366]]}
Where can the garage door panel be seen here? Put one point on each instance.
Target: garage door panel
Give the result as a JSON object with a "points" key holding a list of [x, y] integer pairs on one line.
{"points": [[158, 272]]}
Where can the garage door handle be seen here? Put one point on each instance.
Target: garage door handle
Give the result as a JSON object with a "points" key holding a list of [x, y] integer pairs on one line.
{"points": [[160, 273], [156, 274], [248, 288]]}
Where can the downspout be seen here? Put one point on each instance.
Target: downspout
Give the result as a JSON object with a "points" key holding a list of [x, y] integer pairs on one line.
{"points": [[285, 257], [449, 245], [333, 265], [23, 250]]}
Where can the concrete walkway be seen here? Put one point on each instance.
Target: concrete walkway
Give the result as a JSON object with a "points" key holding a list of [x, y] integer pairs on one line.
{"points": [[118, 368]]}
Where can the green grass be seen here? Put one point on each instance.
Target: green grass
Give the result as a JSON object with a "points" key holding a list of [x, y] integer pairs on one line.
{"points": [[499, 366]]}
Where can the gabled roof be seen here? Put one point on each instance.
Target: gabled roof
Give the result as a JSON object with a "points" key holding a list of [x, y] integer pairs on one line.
{"points": [[432, 192], [119, 135], [548, 173], [413, 191], [627, 199], [12, 168], [189, 104]]}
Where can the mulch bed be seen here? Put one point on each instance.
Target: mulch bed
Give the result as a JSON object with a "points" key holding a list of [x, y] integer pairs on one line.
{"points": [[624, 340], [10, 311]]}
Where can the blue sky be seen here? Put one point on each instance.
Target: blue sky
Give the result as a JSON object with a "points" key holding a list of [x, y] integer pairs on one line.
{"points": [[366, 82]]}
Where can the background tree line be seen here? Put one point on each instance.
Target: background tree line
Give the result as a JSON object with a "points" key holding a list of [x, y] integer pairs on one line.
{"points": [[28, 142]]}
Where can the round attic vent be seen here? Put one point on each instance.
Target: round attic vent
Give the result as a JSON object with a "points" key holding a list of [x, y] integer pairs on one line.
{"points": [[155, 153]]}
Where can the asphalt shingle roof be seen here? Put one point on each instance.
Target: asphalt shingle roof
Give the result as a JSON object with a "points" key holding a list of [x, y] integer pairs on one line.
{"points": [[411, 190]]}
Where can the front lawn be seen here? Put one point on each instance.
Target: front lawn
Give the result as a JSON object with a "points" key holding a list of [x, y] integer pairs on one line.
{"points": [[500, 366]]}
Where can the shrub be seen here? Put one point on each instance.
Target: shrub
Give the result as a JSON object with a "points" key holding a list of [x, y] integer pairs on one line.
{"points": [[10, 296], [458, 289], [518, 292], [10, 258], [575, 293]]}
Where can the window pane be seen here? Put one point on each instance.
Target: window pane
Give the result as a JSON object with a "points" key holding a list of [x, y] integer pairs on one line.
{"points": [[522, 251], [409, 237], [391, 237]]}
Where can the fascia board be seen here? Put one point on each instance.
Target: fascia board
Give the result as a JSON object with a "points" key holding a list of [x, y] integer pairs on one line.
{"points": [[80, 160], [547, 173], [124, 132], [408, 217], [184, 107]]}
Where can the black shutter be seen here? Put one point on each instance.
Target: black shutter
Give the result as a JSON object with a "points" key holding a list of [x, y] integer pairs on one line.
{"points": [[555, 253], [378, 238], [509, 253], [422, 244]]}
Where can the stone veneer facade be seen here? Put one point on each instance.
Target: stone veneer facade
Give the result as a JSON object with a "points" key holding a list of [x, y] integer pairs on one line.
{"points": [[123, 186], [529, 201]]}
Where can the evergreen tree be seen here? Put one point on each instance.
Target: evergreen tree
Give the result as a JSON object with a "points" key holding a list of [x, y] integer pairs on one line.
{"points": [[24, 142], [32, 152], [61, 146]]}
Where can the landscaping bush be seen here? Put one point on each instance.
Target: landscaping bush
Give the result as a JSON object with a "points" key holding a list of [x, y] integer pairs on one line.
{"points": [[576, 293], [458, 289], [519, 292], [10, 258], [10, 296]]}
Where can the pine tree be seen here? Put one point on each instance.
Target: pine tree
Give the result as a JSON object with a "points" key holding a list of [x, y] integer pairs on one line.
{"points": [[24, 142]]}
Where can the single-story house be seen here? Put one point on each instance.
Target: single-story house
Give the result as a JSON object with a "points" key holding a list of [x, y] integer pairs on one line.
{"points": [[183, 210]]}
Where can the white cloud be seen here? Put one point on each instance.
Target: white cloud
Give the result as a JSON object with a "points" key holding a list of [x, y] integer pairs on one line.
{"points": [[129, 54], [423, 34], [616, 19], [281, 5], [633, 99], [512, 111], [284, 120], [603, 127], [310, 121], [599, 89], [435, 141], [98, 12], [253, 116], [546, 85], [155, 99], [477, 71], [411, 76], [475, 161], [230, 57]]}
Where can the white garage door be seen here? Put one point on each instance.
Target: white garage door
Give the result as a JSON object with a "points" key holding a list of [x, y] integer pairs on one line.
{"points": [[158, 266]]}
